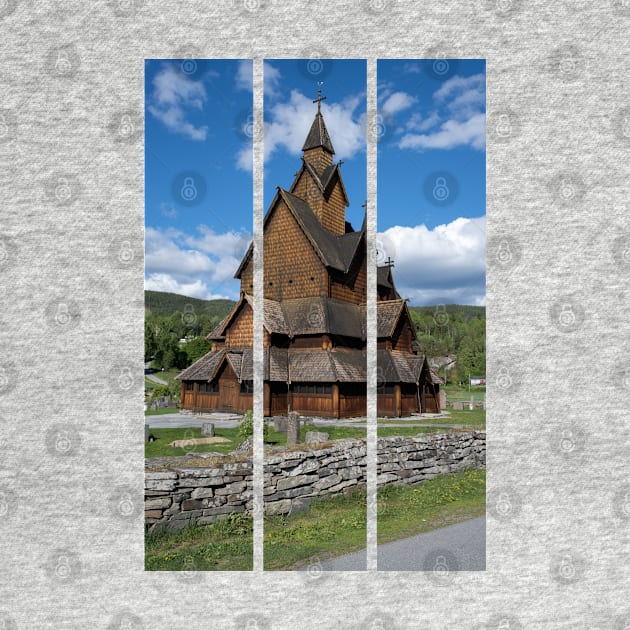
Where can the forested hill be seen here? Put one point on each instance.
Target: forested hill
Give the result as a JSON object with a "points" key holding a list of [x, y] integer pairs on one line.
{"points": [[464, 311], [166, 304]]}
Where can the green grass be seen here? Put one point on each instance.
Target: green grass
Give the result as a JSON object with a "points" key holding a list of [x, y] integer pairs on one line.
{"points": [[160, 447], [404, 511], [330, 527], [163, 437], [168, 375], [337, 525], [160, 411], [226, 545], [456, 392]]}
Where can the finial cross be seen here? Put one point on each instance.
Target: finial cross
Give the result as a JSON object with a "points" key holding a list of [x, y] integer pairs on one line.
{"points": [[319, 100], [389, 262]]}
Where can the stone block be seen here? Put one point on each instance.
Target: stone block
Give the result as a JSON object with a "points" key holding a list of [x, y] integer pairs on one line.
{"points": [[202, 493], [278, 507], [153, 514], [293, 482], [157, 503], [316, 437], [280, 424], [207, 429], [293, 429], [231, 488]]}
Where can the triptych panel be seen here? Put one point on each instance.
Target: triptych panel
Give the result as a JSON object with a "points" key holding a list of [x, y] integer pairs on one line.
{"points": [[218, 471]]}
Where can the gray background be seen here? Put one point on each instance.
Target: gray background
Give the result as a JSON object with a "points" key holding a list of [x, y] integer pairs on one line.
{"points": [[71, 469]]}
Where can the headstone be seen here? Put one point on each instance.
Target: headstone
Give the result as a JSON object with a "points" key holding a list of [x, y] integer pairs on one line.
{"points": [[315, 437], [471, 405], [458, 406], [146, 433], [208, 429], [293, 428], [280, 424], [442, 399]]}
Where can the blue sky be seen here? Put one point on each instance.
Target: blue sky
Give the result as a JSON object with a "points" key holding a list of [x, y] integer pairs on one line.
{"points": [[431, 166], [431, 178], [290, 87], [198, 186]]}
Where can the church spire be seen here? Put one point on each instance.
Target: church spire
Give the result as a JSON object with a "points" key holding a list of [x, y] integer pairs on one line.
{"points": [[318, 135]]}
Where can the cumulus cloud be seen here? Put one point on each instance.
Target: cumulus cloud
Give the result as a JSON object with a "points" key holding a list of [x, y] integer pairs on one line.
{"points": [[198, 265], [458, 120], [443, 265], [397, 102], [175, 95], [289, 122]]}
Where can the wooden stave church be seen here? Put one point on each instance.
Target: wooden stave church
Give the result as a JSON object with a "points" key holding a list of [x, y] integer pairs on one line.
{"points": [[314, 313]]}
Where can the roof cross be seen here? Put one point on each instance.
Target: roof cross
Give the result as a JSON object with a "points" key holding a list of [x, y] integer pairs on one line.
{"points": [[319, 100], [389, 262]]}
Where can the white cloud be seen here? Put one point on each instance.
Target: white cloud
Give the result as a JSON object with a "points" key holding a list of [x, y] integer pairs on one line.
{"points": [[460, 121], [397, 102], [290, 122], [245, 75], [452, 133], [168, 284], [271, 78], [442, 265], [198, 265], [245, 158], [174, 94]]}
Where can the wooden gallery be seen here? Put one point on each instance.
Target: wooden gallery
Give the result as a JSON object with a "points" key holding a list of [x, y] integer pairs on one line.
{"points": [[314, 313]]}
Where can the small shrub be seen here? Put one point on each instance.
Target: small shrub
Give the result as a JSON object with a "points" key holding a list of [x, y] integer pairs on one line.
{"points": [[246, 427]]}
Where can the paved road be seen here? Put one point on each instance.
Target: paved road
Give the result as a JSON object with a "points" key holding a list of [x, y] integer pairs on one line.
{"points": [[155, 379], [460, 547]]}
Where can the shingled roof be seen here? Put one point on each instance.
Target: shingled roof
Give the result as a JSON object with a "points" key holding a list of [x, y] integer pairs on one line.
{"points": [[318, 136], [204, 369]]}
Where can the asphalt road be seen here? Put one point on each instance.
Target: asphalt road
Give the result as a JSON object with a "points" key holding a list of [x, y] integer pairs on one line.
{"points": [[459, 547]]}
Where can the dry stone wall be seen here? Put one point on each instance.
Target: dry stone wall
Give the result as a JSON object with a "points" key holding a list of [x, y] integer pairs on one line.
{"points": [[181, 495]]}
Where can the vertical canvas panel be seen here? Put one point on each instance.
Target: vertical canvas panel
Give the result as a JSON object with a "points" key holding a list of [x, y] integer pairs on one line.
{"points": [[431, 314], [315, 292], [199, 318]]}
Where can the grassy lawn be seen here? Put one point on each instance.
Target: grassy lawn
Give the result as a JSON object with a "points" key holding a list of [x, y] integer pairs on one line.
{"points": [[404, 511], [164, 437], [337, 525], [455, 392], [167, 376], [223, 546], [160, 411], [331, 527]]}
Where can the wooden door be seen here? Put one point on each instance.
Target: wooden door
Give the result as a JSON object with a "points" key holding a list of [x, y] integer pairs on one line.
{"points": [[229, 392]]}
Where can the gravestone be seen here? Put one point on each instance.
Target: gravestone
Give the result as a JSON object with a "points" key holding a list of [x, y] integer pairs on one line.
{"points": [[280, 424], [146, 433], [458, 406], [293, 428], [315, 437], [442, 399], [471, 406], [208, 429]]}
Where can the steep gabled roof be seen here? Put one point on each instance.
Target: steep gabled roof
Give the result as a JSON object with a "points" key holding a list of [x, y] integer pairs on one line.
{"points": [[318, 135], [204, 369], [388, 314], [325, 181]]}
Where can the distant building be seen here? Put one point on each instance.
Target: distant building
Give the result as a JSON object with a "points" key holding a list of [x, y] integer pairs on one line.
{"points": [[477, 380]]}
